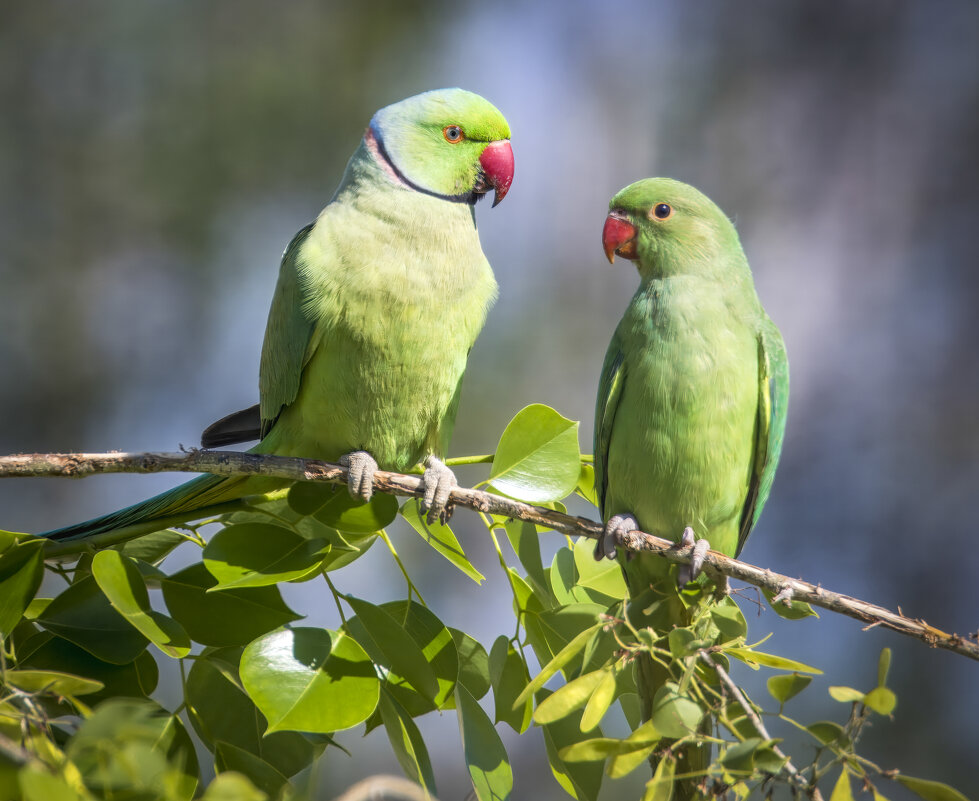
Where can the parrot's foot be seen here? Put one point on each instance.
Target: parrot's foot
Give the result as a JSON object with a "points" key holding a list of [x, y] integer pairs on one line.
{"points": [[615, 530], [687, 573], [360, 473], [438, 482]]}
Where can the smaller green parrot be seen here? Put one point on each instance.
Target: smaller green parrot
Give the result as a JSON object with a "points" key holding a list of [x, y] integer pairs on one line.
{"points": [[691, 402]]}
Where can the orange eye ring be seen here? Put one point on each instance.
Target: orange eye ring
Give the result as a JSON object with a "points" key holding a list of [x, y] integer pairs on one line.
{"points": [[660, 212], [453, 134]]}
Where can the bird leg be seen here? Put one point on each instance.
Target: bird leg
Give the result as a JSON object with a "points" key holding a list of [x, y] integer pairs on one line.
{"points": [[615, 530], [360, 473], [438, 481], [687, 573]]}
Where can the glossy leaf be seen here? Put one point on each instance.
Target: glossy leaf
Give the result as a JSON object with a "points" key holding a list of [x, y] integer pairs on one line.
{"points": [[307, 679], [51, 681], [120, 580], [581, 780], [486, 758], [586, 484], [474, 670], [83, 615], [509, 676], [729, 619], [152, 548], [407, 742], [842, 790], [345, 513], [401, 652], [660, 787], [266, 778], [258, 554], [930, 790], [21, 570], [537, 458], [525, 542], [233, 787], [846, 695], [600, 701], [229, 617], [675, 714], [794, 610], [883, 666], [603, 577], [881, 700], [754, 658], [786, 686], [437, 646], [562, 658], [441, 538], [565, 700]]}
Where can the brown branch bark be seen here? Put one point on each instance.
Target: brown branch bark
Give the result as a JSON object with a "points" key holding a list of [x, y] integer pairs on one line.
{"points": [[233, 463]]}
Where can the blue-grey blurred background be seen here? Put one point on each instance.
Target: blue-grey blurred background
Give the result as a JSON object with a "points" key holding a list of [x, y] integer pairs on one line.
{"points": [[156, 157]]}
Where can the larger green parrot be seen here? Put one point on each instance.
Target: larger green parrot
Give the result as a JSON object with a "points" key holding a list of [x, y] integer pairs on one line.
{"points": [[692, 398], [377, 306]]}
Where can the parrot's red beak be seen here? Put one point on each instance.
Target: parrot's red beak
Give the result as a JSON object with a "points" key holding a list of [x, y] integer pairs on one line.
{"points": [[619, 237], [497, 164]]}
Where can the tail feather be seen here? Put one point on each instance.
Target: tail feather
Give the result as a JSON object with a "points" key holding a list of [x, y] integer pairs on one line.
{"points": [[198, 493]]}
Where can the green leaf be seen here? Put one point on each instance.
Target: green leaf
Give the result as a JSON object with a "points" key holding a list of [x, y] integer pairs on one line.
{"points": [[754, 658], [660, 787], [486, 758], [345, 513], [509, 675], [229, 617], [525, 541], [929, 790], [402, 653], [675, 714], [741, 756], [794, 610], [84, 616], [573, 695], [634, 750], [562, 658], [827, 732], [603, 577], [152, 548], [599, 702], [783, 687], [474, 671], [37, 784], [358, 546], [883, 666], [407, 742], [881, 700], [846, 695], [729, 620], [307, 679], [842, 790], [21, 570], [135, 679], [441, 538], [582, 780], [436, 643], [258, 554], [122, 583], [537, 458], [228, 757], [306, 497], [51, 681], [591, 750], [233, 787], [586, 484], [221, 712]]}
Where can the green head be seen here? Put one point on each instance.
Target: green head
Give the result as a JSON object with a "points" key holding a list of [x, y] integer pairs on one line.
{"points": [[449, 143], [670, 228]]}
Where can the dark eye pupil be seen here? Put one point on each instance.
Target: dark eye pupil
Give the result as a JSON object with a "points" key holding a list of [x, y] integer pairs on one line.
{"points": [[662, 211], [453, 133]]}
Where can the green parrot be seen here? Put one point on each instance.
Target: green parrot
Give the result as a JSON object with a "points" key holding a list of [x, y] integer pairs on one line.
{"points": [[377, 306], [693, 393]]}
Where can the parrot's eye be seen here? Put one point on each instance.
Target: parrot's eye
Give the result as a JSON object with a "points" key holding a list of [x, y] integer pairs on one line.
{"points": [[661, 211], [452, 133]]}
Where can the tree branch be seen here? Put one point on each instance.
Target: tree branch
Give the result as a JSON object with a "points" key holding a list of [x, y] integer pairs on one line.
{"points": [[229, 463]]}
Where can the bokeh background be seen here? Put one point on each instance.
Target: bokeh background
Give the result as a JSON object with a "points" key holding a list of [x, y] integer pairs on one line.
{"points": [[156, 157]]}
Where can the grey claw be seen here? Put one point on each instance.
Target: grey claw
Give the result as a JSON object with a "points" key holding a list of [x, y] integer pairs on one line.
{"points": [[615, 530], [360, 473], [438, 482], [687, 573]]}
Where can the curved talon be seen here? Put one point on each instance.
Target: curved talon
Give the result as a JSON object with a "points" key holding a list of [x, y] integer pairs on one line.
{"points": [[438, 482], [617, 527], [687, 573], [360, 473]]}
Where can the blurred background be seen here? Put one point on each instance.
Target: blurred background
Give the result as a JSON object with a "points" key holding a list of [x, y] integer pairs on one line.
{"points": [[156, 157]]}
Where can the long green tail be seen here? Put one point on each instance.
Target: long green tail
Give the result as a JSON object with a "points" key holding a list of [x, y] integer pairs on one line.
{"points": [[199, 493]]}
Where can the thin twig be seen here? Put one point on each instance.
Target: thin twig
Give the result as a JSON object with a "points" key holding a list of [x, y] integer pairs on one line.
{"points": [[294, 469], [798, 778]]}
